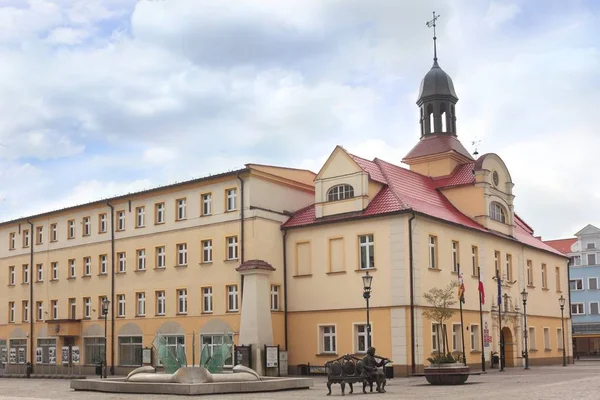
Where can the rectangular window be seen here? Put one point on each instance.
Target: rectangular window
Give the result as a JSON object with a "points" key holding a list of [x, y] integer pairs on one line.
{"points": [[591, 259], [497, 263], [328, 342], [103, 264], [529, 273], [54, 306], [25, 313], [232, 298], [547, 339], [174, 344], [455, 256], [121, 220], [141, 259], [592, 283], [544, 277], [87, 226], [25, 238], [122, 256], [206, 204], [590, 246], [102, 308], [433, 252], [231, 199], [40, 310], [213, 343], [275, 297], [11, 311], [71, 229], [160, 302], [509, 268], [456, 338], [54, 266], [576, 260], [437, 337], [207, 300], [12, 240], [72, 308], [39, 234], [576, 284], [159, 213], [232, 247], [20, 347], [87, 307], [577, 309], [181, 301], [87, 266], [39, 273], [182, 254], [559, 338], [53, 232], [102, 223], [594, 308], [367, 251], [120, 305], [181, 209], [140, 217], [141, 304], [25, 273], [360, 338], [11, 275], [557, 276], [72, 268], [475, 260], [532, 341], [93, 350], [207, 251], [160, 257], [130, 351], [475, 336]]}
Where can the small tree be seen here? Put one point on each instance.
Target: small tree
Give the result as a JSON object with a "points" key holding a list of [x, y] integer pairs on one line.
{"points": [[441, 302]]}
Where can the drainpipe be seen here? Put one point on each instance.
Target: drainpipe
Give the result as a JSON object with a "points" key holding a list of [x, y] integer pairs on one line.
{"points": [[112, 288], [285, 303], [241, 229], [413, 366], [30, 311], [570, 316]]}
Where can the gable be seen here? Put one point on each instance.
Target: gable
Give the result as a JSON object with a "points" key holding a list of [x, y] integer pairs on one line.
{"points": [[588, 230], [337, 165]]}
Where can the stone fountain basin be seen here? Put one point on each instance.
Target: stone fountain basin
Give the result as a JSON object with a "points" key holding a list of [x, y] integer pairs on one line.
{"points": [[119, 385], [447, 374]]}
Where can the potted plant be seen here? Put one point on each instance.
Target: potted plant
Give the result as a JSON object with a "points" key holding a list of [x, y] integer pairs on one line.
{"points": [[445, 368]]}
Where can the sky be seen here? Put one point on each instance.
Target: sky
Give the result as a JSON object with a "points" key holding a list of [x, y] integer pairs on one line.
{"points": [[105, 97]]}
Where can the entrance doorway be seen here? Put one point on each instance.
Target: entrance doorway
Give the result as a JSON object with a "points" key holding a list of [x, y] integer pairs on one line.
{"points": [[508, 347]]}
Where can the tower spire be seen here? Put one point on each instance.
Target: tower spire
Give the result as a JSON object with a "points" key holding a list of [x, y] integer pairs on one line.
{"points": [[429, 25]]}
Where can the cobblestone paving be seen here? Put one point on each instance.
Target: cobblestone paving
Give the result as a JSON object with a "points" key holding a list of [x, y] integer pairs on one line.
{"points": [[578, 382]]}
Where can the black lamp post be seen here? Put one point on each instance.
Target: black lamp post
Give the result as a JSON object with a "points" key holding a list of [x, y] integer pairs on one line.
{"points": [[525, 330], [367, 280], [105, 304], [562, 302]]}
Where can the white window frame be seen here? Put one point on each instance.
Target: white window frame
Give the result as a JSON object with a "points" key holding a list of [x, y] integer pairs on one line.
{"points": [[39, 272], [182, 301], [433, 261], [456, 338], [103, 223], [207, 299], [141, 259], [25, 310], [497, 212], [559, 343], [182, 254], [455, 253], [181, 209], [366, 245], [231, 199], [475, 337], [206, 204], [207, 251], [578, 304], [140, 217], [597, 307], [72, 308], [580, 280], [54, 266], [12, 241], [437, 330], [232, 298], [275, 291], [103, 264], [161, 302], [122, 261], [87, 266], [72, 229], [159, 213], [121, 305], [121, 220], [532, 338], [87, 226], [26, 238], [232, 247], [140, 304], [12, 275], [547, 339], [26, 277], [544, 269], [54, 306], [72, 268], [40, 310], [587, 259], [53, 232], [576, 260], [87, 307], [357, 334], [161, 257], [11, 311], [589, 280], [327, 331], [40, 234]]}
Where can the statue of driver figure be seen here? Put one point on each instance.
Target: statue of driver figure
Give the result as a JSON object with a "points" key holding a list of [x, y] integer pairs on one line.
{"points": [[371, 368]]}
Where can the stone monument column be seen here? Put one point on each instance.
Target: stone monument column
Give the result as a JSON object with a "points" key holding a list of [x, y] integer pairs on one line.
{"points": [[256, 328]]}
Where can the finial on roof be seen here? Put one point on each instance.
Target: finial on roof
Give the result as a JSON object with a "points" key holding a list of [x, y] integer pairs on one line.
{"points": [[429, 25]]}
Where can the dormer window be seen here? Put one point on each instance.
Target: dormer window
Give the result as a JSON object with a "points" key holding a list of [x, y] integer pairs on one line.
{"points": [[340, 192], [497, 212]]}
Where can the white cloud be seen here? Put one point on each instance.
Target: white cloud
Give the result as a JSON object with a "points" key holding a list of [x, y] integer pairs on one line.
{"points": [[67, 36], [499, 13]]}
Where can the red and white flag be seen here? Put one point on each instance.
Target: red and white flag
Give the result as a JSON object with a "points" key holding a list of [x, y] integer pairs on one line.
{"points": [[481, 290]]}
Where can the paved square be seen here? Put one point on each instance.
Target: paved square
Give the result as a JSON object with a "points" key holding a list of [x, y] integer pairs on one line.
{"points": [[578, 381]]}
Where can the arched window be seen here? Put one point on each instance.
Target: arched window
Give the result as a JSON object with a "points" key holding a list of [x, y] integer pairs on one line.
{"points": [[430, 118], [340, 192], [443, 114], [497, 212]]}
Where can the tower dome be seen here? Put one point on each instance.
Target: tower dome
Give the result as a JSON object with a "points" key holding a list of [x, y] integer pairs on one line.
{"points": [[436, 83]]}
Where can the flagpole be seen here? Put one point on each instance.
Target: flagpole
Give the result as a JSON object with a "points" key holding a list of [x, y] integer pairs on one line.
{"points": [[462, 328], [500, 341], [481, 323]]}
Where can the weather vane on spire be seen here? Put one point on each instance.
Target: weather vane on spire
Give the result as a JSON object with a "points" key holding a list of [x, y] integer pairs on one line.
{"points": [[429, 25]]}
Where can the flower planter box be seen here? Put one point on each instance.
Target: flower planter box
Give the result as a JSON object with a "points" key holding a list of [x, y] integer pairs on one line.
{"points": [[447, 374]]}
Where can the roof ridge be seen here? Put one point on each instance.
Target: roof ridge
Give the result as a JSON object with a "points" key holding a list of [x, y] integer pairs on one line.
{"points": [[280, 167], [406, 169]]}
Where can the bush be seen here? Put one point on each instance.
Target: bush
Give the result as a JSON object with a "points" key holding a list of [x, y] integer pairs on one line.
{"points": [[441, 358]]}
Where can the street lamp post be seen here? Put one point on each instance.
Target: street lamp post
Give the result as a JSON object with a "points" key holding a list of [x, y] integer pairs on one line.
{"points": [[562, 302], [105, 304], [367, 280], [525, 330]]}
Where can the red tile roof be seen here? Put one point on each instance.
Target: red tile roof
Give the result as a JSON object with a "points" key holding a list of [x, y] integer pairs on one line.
{"points": [[462, 175], [406, 190], [255, 264], [562, 245], [436, 144]]}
